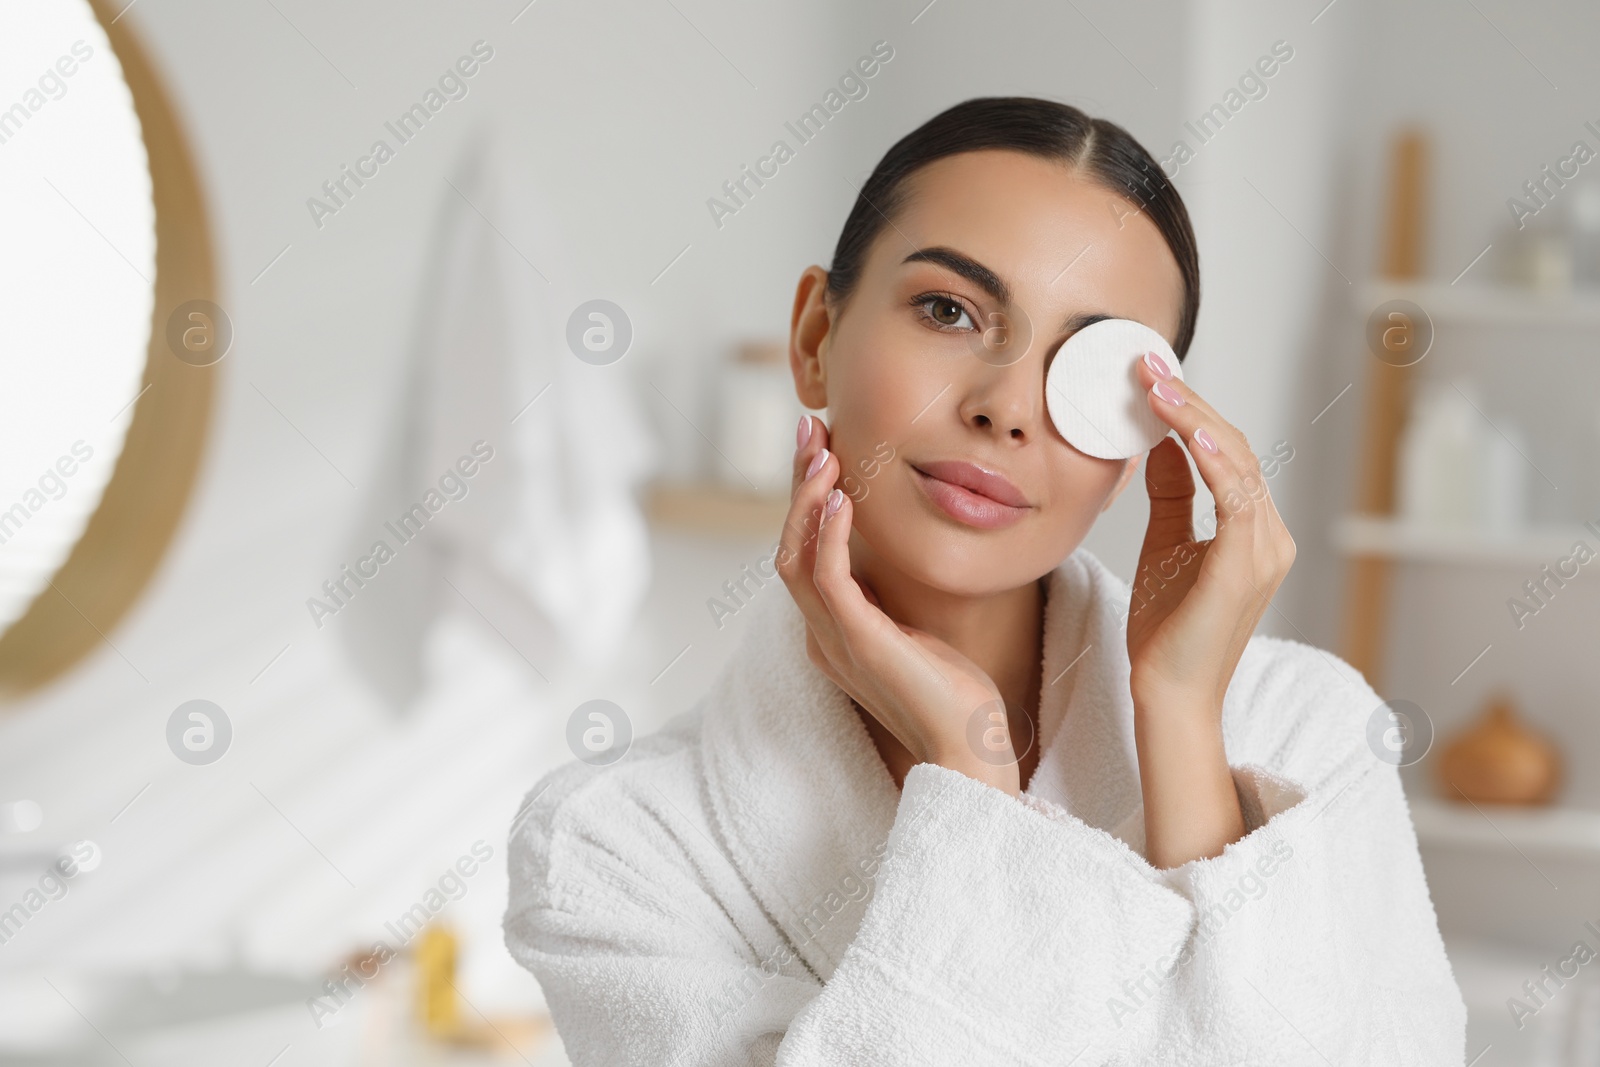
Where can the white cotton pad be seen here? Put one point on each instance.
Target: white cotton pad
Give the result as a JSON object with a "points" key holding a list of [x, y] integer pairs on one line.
{"points": [[1093, 392]]}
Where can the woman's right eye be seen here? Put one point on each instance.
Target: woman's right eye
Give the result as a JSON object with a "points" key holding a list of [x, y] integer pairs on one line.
{"points": [[945, 314]]}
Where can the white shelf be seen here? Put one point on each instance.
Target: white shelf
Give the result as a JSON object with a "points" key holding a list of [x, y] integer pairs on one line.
{"points": [[1495, 826], [1486, 304], [1373, 535]]}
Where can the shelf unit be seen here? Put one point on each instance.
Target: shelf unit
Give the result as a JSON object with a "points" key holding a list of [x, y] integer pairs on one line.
{"points": [[1575, 831], [1373, 540], [1391, 538], [1486, 303], [1571, 831]]}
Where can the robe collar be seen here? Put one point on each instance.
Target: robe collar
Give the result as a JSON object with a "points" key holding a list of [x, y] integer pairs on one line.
{"points": [[804, 803]]}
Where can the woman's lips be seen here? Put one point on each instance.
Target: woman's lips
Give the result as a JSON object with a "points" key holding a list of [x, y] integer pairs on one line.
{"points": [[970, 494]]}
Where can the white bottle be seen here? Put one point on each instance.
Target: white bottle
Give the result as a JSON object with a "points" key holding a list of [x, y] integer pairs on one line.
{"points": [[1442, 458], [1505, 470], [759, 413]]}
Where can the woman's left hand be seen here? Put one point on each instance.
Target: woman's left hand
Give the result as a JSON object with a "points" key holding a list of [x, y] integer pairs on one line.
{"points": [[1195, 606]]}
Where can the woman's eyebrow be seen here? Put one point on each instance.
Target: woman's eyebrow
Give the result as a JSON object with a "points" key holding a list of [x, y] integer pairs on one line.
{"points": [[992, 283], [1074, 323], [965, 266]]}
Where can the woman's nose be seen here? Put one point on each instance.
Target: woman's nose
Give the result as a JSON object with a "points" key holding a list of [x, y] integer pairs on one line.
{"points": [[1005, 401]]}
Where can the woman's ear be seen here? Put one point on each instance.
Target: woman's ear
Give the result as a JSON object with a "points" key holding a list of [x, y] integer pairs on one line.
{"points": [[1122, 482], [810, 331]]}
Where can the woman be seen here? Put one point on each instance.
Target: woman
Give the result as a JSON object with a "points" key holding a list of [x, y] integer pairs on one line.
{"points": [[963, 796]]}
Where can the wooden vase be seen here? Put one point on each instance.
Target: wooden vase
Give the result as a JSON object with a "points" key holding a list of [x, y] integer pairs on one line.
{"points": [[1500, 760]]}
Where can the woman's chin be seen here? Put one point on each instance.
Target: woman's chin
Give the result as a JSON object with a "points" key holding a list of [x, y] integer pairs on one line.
{"points": [[913, 548]]}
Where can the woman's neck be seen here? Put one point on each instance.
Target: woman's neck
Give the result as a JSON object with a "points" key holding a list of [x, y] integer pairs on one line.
{"points": [[1002, 633]]}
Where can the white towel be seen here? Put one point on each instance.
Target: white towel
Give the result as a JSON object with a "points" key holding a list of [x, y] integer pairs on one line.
{"points": [[551, 525], [748, 887]]}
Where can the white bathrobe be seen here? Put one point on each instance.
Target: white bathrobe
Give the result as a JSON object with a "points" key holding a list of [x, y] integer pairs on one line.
{"points": [[748, 886]]}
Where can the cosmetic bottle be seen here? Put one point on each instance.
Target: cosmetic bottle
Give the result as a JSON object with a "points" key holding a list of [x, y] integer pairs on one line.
{"points": [[758, 415], [1504, 500], [1441, 459]]}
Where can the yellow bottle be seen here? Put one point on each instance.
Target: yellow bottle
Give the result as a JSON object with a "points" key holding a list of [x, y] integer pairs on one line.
{"points": [[437, 1005]]}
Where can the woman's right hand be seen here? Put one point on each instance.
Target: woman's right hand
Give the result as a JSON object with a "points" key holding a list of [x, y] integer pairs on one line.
{"points": [[922, 690]]}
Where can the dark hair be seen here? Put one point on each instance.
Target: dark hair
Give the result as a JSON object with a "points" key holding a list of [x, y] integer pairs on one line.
{"points": [[1102, 149]]}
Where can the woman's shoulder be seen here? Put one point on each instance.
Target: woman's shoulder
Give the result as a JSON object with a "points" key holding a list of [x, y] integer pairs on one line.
{"points": [[623, 856], [578, 815]]}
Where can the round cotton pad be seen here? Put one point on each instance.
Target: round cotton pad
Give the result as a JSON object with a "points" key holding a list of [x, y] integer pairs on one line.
{"points": [[1093, 393]]}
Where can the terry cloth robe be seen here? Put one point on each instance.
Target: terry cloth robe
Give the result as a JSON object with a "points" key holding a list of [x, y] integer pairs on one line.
{"points": [[748, 886]]}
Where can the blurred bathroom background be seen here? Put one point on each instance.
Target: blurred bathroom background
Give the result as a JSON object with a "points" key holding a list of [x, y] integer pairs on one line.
{"points": [[535, 348]]}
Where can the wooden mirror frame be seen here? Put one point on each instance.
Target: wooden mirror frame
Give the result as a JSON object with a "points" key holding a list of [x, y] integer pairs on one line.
{"points": [[129, 532]]}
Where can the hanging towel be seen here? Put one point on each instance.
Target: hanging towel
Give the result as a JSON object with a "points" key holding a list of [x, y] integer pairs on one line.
{"points": [[550, 525], [748, 886]]}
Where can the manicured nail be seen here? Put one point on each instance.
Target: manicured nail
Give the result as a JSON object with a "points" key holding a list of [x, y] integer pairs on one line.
{"points": [[1157, 365], [1167, 393], [802, 433], [835, 501], [816, 462], [1204, 440]]}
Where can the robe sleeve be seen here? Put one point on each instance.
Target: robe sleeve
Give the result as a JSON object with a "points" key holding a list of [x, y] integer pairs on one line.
{"points": [[1315, 936], [994, 934]]}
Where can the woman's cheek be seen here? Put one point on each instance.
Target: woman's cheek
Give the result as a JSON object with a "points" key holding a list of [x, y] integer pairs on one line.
{"points": [[862, 465], [1078, 494], [854, 488], [866, 435]]}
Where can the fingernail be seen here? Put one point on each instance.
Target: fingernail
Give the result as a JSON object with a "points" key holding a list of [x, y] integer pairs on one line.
{"points": [[1204, 440], [835, 501], [802, 433], [816, 462], [1157, 365], [1167, 393]]}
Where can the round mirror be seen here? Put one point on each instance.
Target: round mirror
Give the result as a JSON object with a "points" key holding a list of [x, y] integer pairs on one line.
{"points": [[100, 419]]}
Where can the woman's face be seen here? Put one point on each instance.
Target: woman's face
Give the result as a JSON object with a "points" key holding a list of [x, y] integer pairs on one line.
{"points": [[993, 240]]}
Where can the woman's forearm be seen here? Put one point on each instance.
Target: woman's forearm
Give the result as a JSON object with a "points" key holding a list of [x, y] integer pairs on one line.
{"points": [[1191, 807]]}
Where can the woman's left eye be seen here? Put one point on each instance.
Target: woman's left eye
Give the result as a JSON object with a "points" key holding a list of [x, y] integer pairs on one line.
{"points": [[945, 314]]}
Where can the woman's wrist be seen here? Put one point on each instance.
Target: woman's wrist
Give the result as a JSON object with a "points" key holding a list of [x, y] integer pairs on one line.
{"points": [[1191, 806], [962, 760]]}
